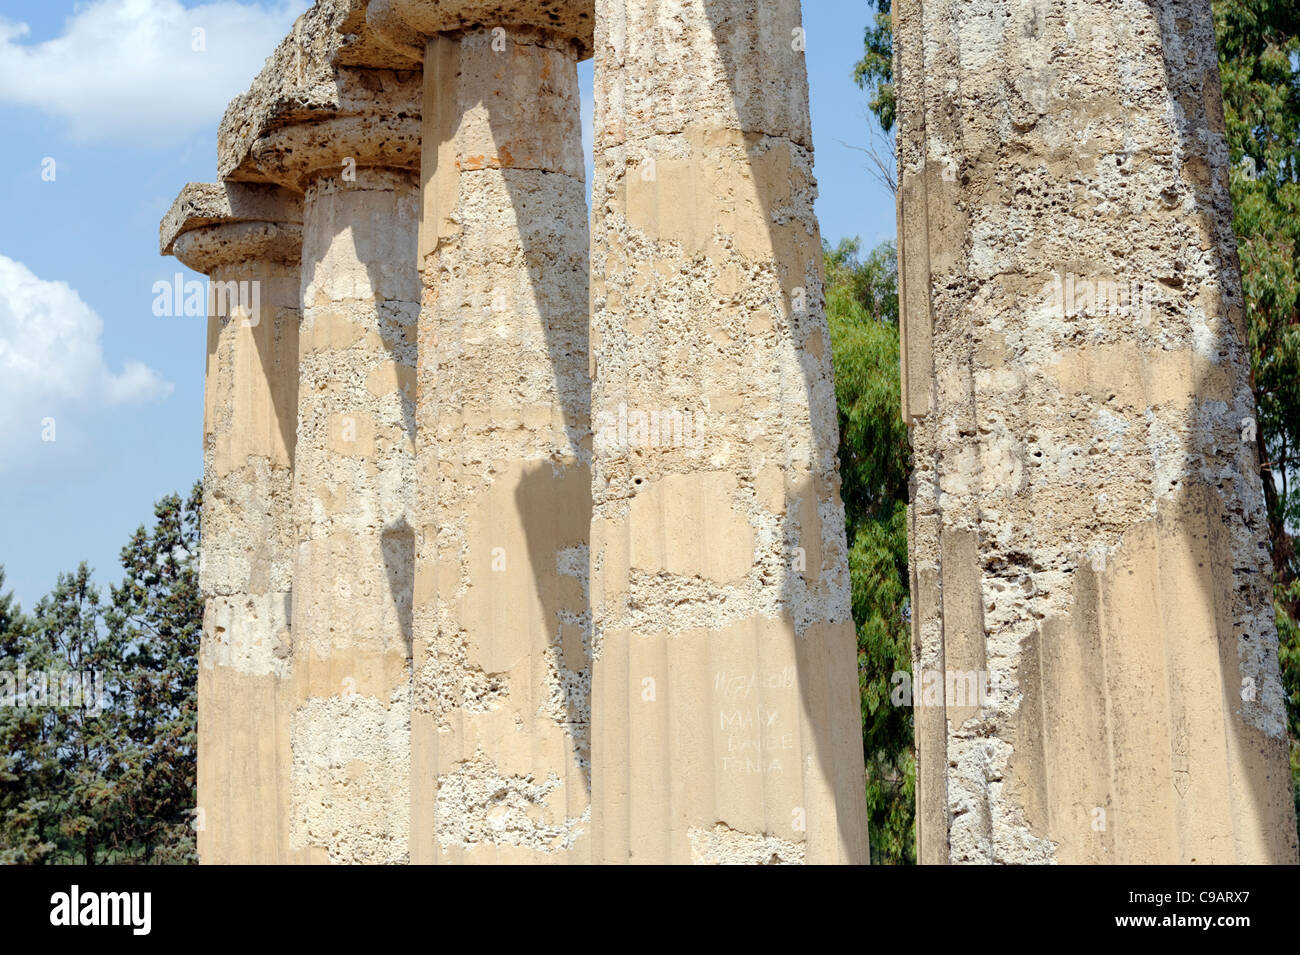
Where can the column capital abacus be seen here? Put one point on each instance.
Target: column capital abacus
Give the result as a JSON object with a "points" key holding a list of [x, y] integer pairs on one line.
{"points": [[405, 26]]}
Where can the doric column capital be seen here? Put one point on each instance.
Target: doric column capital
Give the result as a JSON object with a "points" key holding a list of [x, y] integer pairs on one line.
{"points": [[215, 224], [331, 96], [407, 25], [369, 117]]}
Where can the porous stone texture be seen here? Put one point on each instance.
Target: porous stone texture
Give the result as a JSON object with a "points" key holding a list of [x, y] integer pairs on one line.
{"points": [[373, 120], [502, 676], [407, 25], [725, 700], [447, 718], [311, 80], [351, 766], [1087, 524], [224, 203], [722, 845], [334, 117], [354, 497], [245, 569]]}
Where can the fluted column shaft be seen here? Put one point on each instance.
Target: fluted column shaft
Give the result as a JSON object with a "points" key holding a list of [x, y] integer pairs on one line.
{"points": [[352, 155], [501, 707], [725, 701], [250, 392], [354, 498], [1089, 571]]}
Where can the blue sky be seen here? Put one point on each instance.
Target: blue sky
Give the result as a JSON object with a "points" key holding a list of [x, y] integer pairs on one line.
{"points": [[115, 94]]}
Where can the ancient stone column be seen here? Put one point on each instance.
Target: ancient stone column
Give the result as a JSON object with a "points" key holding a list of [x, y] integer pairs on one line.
{"points": [[500, 739], [1089, 571], [355, 489], [353, 151], [725, 704], [502, 679], [247, 240]]}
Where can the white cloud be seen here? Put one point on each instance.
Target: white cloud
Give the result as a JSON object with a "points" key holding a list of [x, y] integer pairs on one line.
{"points": [[51, 360], [128, 70]]}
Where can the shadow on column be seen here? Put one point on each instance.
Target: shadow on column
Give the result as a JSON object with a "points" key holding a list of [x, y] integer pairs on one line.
{"points": [[553, 497], [1181, 768], [753, 83]]}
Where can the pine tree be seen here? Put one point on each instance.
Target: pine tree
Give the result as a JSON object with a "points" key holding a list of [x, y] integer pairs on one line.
{"points": [[23, 811], [67, 761], [155, 624], [108, 778]]}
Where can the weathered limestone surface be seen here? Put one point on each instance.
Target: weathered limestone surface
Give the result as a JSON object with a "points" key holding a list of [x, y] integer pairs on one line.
{"points": [[480, 590], [302, 92], [337, 119], [725, 707], [248, 241], [354, 506], [408, 25], [728, 564], [500, 721], [1087, 523]]}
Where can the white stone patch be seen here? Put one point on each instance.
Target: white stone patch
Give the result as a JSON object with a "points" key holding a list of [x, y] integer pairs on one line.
{"points": [[1111, 428], [723, 845], [479, 805], [1001, 462], [351, 777], [248, 633]]}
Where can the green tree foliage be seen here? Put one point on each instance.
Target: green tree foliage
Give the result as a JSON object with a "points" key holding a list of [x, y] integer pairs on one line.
{"points": [[862, 312], [107, 777], [155, 622], [22, 780], [875, 71], [1259, 62]]}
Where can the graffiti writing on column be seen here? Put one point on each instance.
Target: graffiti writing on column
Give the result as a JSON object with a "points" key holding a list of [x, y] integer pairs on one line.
{"points": [[758, 734]]}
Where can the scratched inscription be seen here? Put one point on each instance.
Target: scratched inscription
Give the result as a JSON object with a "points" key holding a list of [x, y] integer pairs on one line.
{"points": [[753, 720]]}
